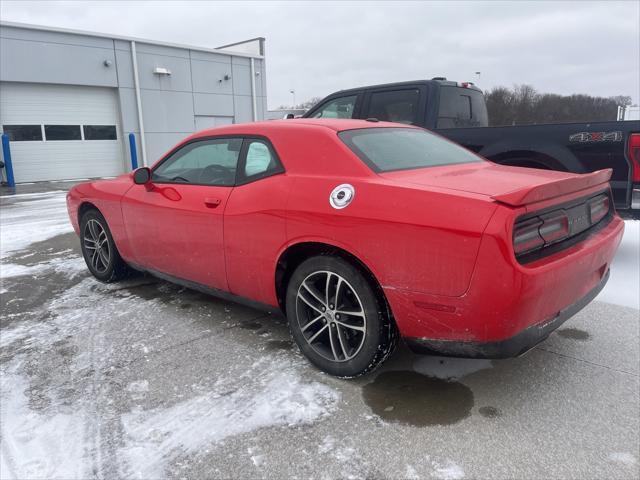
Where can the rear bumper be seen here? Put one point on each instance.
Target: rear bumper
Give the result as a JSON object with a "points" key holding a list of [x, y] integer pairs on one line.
{"points": [[511, 347], [508, 307]]}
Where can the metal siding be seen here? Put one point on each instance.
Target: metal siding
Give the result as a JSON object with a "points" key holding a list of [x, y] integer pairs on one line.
{"points": [[208, 77], [243, 109], [210, 57], [128, 110], [209, 121], [160, 143], [124, 66], [48, 36], [179, 80], [62, 104], [166, 111], [28, 61], [212, 104], [241, 76]]}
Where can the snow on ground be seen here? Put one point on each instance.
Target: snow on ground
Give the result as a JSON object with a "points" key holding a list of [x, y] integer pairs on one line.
{"points": [[39, 217], [271, 392], [623, 287], [39, 445], [276, 396]]}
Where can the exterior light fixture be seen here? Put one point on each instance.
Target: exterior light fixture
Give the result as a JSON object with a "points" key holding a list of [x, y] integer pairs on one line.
{"points": [[161, 71]]}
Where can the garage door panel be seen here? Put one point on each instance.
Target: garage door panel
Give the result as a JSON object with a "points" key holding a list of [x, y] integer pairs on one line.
{"points": [[42, 104], [42, 161]]}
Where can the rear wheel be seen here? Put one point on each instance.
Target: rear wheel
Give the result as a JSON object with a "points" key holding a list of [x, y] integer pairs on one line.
{"points": [[336, 318], [99, 250]]}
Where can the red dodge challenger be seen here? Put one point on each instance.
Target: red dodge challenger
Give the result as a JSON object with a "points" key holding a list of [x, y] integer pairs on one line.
{"points": [[360, 231]]}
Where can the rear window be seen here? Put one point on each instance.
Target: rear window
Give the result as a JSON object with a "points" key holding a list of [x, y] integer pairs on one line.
{"points": [[388, 149], [461, 108]]}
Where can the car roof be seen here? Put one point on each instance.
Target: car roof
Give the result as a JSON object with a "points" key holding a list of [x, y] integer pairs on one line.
{"points": [[270, 126]]}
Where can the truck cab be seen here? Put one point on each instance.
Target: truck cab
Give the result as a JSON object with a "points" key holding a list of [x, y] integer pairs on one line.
{"points": [[433, 104]]}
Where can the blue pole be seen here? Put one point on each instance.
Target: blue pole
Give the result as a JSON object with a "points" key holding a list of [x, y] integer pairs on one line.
{"points": [[8, 166], [134, 154]]}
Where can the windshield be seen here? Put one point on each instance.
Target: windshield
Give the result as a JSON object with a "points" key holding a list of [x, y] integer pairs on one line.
{"points": [[388, 149]]}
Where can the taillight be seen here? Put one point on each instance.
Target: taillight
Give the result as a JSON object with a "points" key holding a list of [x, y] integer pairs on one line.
{"points": [[526, 236], [634, 156], [598, 208], [555, 227]]}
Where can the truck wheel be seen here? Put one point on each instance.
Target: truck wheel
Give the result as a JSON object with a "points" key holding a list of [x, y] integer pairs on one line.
{"points": [[336, 318]]}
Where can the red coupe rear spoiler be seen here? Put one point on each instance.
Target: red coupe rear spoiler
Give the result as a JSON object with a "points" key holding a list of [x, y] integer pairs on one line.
{"points": [[552, 189]]}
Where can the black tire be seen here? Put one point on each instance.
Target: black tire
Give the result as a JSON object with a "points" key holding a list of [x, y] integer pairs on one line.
{"points": [[106, 268], [362, 342]]}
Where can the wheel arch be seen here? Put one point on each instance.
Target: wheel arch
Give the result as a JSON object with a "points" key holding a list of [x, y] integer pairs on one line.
{"points": [[528, 158], [296, 253], [84, 207]]}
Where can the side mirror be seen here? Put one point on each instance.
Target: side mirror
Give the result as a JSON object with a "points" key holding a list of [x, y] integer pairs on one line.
{"points": [[142, 176], [288, 116]]}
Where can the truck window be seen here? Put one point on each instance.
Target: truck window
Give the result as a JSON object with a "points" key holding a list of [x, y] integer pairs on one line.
{"points": [[399, 106], [461, 107], [337, 108]]}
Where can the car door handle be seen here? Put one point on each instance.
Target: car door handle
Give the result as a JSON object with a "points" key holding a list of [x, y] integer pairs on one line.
{"points": [[212, 202]]}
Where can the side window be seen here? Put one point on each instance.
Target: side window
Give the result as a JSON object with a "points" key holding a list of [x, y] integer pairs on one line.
{"points": [[260, 160], [337, 108], [207, 162], [23, 133], [399, 106], [461, 108]]}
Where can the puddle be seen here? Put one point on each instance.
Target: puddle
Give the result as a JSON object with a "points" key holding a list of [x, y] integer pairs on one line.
{"points": [[276, 345], [489, 412], [410, 398], [574, 334]]}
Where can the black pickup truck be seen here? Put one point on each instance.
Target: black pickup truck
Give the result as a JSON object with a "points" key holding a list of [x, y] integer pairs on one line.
{"points": [[458, 111]]}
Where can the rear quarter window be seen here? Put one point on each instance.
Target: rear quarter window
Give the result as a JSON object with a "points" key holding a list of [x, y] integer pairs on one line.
{"points": [[389, 149], [461, 108]]}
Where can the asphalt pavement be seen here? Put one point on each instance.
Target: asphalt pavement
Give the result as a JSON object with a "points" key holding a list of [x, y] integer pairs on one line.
{"points": [[145, 379]]}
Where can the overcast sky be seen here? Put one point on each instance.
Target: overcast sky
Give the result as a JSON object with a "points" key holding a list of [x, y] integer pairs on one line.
{"points": [[317, 48]]}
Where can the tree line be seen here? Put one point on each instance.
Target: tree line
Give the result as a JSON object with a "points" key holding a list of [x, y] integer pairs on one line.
{"points": [[523, 105]]}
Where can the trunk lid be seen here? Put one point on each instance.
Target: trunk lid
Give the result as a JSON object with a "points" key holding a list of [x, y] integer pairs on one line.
{"points": [[514, 186]]}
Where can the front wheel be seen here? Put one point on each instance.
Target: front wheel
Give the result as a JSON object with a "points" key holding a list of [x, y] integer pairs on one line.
{"points": [[336, 318], [99, 249]]}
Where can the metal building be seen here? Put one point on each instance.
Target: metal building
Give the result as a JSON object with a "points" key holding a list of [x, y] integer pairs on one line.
{"points": [[69, 99]]}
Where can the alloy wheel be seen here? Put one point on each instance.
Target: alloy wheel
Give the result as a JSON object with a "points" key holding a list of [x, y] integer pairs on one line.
{"points": [[331, 316], [96, 244]]}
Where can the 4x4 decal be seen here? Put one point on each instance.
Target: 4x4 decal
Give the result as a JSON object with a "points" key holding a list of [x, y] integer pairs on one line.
{"points": [[596, 137]]}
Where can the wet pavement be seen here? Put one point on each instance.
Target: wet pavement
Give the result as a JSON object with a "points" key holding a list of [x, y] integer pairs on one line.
{"points": [[145, 379]]}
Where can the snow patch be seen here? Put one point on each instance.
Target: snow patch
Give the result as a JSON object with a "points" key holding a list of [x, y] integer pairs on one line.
{"points": [[31, 444], [449, 368], [623, 287], [66, 265], [411, 474], [623, 457], [448, 471], [272, 395], [24, 223]]}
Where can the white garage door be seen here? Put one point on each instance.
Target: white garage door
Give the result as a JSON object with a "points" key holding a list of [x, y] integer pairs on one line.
{"points": [[60, 132]]}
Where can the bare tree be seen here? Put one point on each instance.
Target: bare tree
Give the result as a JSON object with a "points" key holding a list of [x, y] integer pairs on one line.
{"points": [[522, 105], [303, 106]]}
